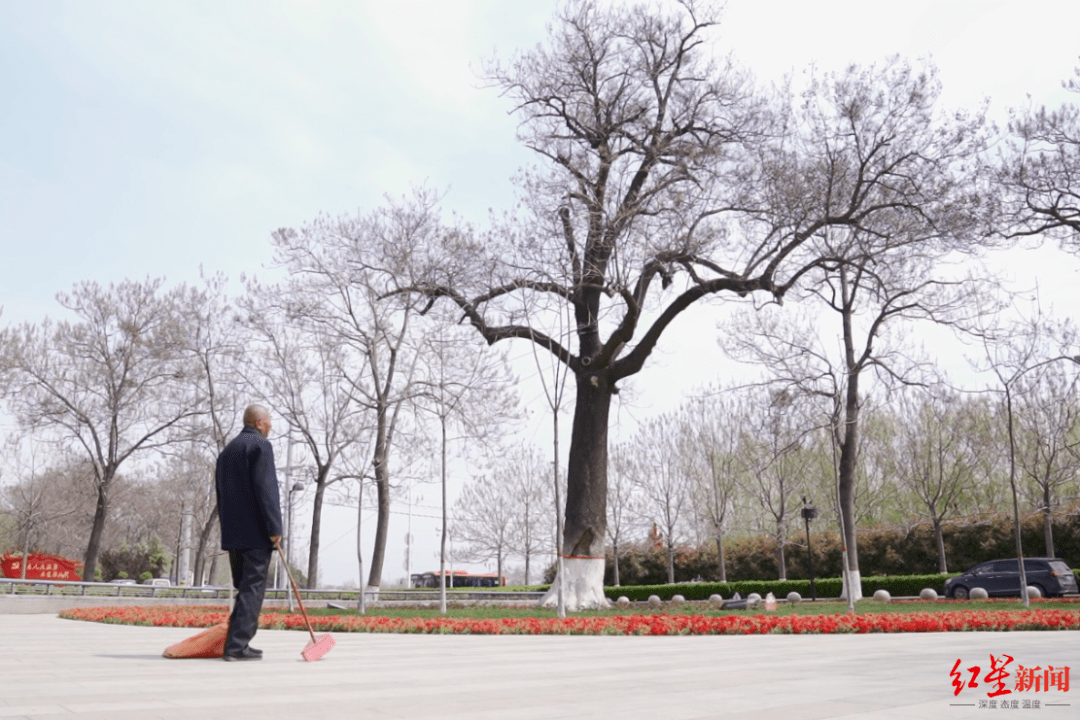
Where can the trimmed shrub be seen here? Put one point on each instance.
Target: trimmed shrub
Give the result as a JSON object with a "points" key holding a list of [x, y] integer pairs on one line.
{"points": [[127, 561], [882, 552]]}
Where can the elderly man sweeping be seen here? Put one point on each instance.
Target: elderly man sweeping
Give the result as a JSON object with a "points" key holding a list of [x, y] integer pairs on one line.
{"points": [[250, 512]]}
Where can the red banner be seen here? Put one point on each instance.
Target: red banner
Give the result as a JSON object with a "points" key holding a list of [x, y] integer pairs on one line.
{"points": [[41, 567]]}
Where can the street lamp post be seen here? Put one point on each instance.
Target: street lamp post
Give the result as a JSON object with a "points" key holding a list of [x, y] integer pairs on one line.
{"points": [[809, 512], [288, 533]]}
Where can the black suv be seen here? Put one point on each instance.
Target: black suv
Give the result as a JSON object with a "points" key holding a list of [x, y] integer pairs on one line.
{"points": [[1051, 576]]}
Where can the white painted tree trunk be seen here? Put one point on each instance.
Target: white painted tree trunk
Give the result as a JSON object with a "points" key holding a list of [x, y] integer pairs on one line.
{"points": [[855, 578], [582, 581]]}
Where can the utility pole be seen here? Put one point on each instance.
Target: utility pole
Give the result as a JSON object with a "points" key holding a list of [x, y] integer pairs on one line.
{"points": [[286, 544], [361, 603]]}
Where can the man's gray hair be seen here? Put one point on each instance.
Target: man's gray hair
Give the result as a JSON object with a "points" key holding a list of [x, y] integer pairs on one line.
{"points": [[254, 413]]}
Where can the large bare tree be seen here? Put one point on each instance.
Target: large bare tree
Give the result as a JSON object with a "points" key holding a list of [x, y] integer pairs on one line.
{"points": [[877, 130], [302, 370], [216, 346], [1016, 352], [1040, 171], [663, 180], [641, 138], [110, 383], [339, 270]]}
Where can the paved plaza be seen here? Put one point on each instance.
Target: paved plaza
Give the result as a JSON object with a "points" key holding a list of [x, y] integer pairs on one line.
{"points": [[53, 668]]}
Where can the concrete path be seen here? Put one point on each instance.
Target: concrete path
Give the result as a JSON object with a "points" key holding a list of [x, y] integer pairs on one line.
{"points": [[53, 668]]}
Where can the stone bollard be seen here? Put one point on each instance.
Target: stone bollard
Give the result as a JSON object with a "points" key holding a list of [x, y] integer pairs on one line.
{"points": [[882, 596], [928, 594]]}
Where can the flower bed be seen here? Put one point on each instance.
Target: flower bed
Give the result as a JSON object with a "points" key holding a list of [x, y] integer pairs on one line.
{"points": [[638, 624]]}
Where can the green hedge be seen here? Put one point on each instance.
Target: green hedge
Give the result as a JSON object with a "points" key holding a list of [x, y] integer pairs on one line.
{"points": [[882, 551], [897, 585]]}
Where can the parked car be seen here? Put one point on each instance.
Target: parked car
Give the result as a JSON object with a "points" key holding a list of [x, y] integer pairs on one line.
{"points": [[1051, 576], [123, 581], [160, 582]]}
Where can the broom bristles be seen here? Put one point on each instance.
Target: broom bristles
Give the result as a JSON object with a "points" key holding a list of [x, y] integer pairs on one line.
{"points": [[322, 645], [210, 643]]}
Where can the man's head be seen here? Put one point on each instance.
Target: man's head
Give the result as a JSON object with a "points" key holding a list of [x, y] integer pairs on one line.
{"points": [[259, 418]]}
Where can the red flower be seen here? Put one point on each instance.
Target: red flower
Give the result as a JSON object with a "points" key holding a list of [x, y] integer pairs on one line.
{"points": [[958, 621]]}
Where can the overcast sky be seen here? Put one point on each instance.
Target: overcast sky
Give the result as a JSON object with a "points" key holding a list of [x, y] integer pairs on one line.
{"points": [[143, 138]]}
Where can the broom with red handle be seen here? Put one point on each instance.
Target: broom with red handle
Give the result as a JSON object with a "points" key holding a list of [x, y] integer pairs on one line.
{"points": [[318, 646]]}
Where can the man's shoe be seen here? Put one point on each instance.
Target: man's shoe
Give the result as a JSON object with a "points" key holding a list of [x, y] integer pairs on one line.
{"points": [[254, 650], [247, 654]]}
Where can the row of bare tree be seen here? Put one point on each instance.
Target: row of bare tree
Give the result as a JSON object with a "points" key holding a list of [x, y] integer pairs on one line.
{"points": [[664, 177], [507, 512], [743, 461], [153, 380]]}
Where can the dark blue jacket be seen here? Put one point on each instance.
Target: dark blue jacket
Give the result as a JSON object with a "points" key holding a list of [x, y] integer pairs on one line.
{"points": [[247, 492]]}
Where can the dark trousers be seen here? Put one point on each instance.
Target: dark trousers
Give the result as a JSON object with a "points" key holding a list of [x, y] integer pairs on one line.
{"points": [[249, 569]]}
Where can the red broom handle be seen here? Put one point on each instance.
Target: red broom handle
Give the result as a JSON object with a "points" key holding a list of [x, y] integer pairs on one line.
{"points": [[296, 590]]}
